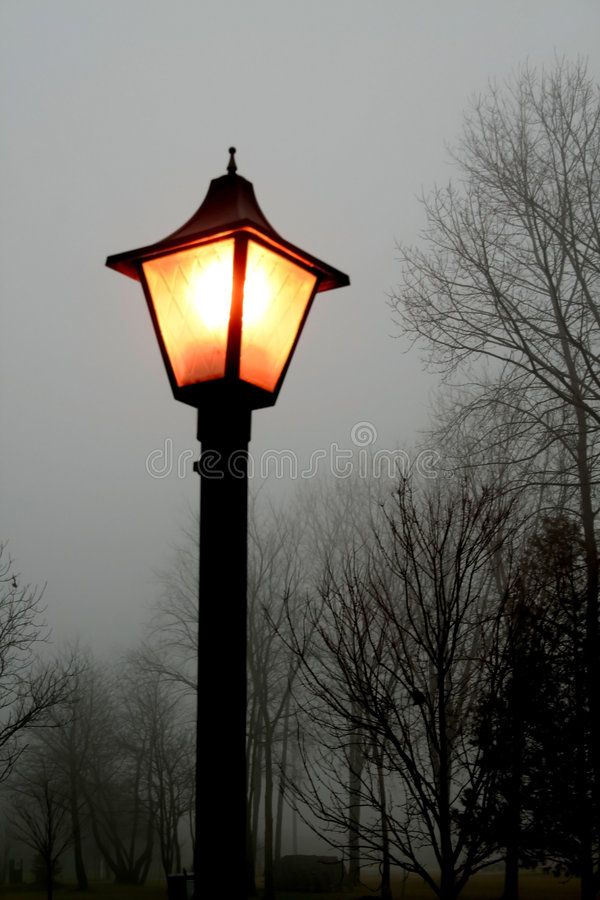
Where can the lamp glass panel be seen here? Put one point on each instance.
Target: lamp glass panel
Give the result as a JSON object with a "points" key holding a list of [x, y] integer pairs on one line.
{"points": [[276, 294], [191, 293]]}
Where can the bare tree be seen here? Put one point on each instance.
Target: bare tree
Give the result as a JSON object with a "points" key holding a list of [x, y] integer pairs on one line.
{"points": [[339, 521], [65, 745], [530, 715], [169, 721], [275, 591], [40, 818], [31, 686], [510, 274], [171, 645], [122, 759], [402, 637], [117, 780]]}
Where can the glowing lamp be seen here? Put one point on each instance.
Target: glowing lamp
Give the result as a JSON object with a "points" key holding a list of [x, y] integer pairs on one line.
{"points": [[228, 297]]}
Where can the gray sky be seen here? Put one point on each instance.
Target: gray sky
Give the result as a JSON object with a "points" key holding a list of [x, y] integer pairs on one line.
{"points": [[115, 115]]}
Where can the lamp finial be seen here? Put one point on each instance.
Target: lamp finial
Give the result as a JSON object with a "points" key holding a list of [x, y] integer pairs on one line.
{"points": [[232, 168]]}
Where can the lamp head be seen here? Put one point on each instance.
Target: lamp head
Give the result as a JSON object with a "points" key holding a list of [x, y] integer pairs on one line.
{"points": [[228, 297]]}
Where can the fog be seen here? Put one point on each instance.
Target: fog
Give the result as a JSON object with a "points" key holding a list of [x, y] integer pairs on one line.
{"points": [[115, 116]]}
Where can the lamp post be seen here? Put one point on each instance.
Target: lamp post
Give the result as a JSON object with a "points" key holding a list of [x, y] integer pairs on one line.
{"points": [[228, 298]]}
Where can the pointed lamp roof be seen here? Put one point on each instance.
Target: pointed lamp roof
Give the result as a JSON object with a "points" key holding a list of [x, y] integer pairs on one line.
{"points": [[230, 205]]}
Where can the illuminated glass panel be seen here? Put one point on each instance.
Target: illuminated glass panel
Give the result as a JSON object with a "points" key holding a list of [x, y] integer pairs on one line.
{"points": [[276, 294], [191, 293]]}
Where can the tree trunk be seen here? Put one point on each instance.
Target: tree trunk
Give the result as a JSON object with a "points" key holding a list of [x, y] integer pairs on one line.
{"points": [[269, 888], [253, 800], [281, 786], [251, 862], [80, 872], [257, 775], [294, 811], [386, 882], [511, 873], [513, 794], [355, 765], [447, 874], [49, 879], [177, 855], [589, 707], [513, 835], [585, 816]]}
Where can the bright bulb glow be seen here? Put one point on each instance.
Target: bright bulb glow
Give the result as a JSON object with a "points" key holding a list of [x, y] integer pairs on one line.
{"points": [[210, 294]]}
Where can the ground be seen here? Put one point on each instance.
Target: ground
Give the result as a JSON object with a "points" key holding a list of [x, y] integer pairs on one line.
{"points": [[485, 886]]}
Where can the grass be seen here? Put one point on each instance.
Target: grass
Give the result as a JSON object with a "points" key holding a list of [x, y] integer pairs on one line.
{"points": [[98, 891], [484, 886]]}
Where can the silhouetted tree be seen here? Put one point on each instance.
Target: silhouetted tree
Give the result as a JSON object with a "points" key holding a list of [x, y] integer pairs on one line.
{"points": [[273, 598], [30, 686], [530, 718], [65, 745], [400, 640], [562, 781], [512, 705], [171, 756], [40, 818], [509, 275], [118, 775]]}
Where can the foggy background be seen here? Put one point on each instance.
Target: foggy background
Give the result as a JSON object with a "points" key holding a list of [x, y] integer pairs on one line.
{"points": [[114, 118]]}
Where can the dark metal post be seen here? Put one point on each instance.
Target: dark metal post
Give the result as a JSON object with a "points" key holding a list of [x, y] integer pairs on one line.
{"points": [[220, 850]]}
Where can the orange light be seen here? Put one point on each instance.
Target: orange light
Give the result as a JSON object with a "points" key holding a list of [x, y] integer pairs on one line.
{"points": [[191, 294], [276, 294], [211, 296]]}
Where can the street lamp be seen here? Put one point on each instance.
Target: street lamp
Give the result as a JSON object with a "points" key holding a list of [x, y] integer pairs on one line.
{"points": [[228, 298]]}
